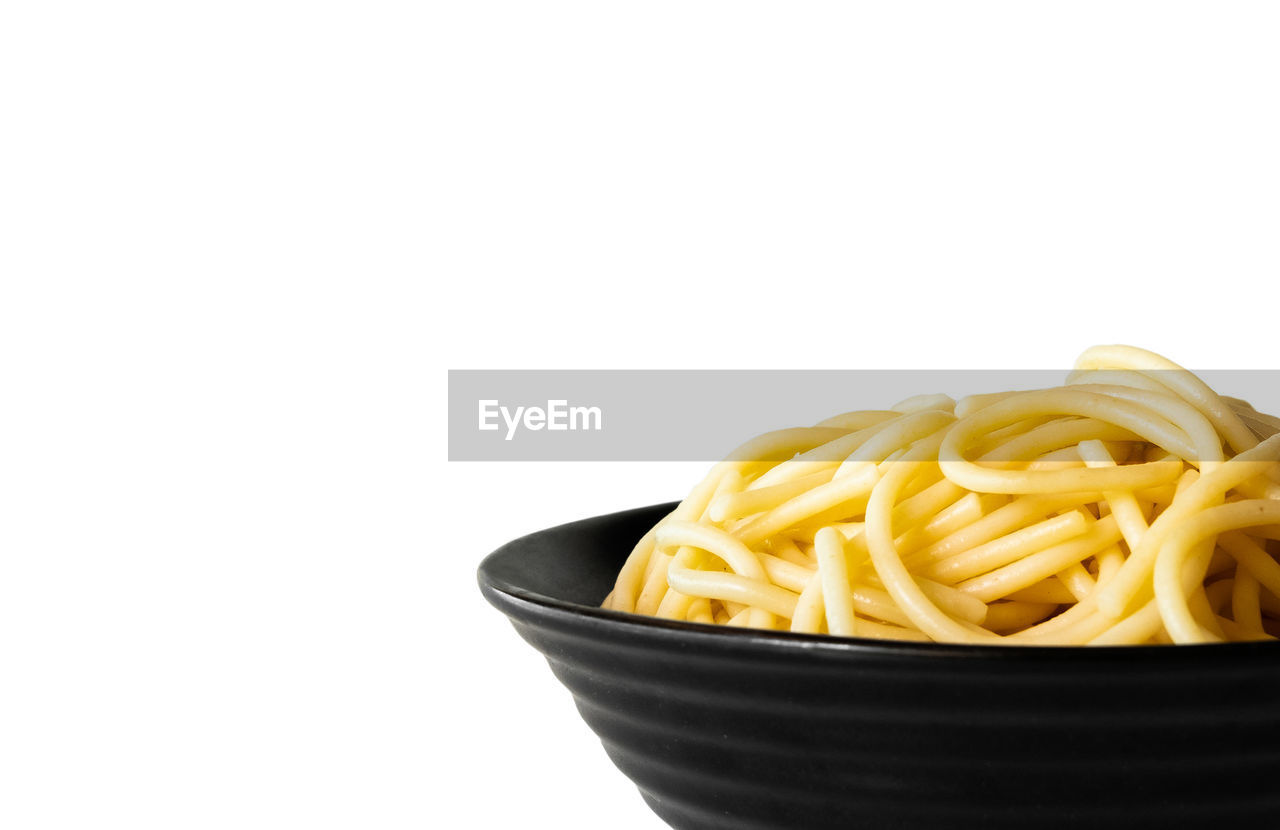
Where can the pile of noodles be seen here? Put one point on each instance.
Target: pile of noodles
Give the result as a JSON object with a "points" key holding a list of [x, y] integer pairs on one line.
{"points": [[1131, 505]]}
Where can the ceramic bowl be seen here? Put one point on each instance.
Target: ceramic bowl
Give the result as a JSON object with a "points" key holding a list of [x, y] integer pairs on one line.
{"points": [[729, 729]]}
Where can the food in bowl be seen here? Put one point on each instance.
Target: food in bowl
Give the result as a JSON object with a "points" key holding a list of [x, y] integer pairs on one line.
{"points": [[1132, 505]]}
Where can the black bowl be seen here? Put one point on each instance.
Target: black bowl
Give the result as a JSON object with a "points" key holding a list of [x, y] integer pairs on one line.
{"points": [[732, 729]]}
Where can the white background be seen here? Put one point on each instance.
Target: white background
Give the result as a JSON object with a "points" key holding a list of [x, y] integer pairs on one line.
{"points": [[241, 242]]}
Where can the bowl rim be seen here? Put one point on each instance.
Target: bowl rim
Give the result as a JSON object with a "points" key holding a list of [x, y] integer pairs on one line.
{"points": [[501, 592]]}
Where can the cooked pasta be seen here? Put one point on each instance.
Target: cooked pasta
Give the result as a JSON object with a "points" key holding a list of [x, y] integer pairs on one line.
{"points": [[1132, 505]]}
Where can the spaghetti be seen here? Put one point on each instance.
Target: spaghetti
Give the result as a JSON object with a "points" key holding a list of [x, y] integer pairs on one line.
{"points": [[1132, 505]]}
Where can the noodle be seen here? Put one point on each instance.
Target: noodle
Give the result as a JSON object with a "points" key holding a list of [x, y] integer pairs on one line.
{"points": [[1132, 505]]}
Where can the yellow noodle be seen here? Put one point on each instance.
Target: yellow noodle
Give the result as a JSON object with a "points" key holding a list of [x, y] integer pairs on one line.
{"points": [[834, 571], [1046, 590], [1007, 519], [842, 491], [1013, 616], [785, 548], [755, 500], [1044, 563], [749, 592], [1007, 549], [1078, 581], [1171, 595], [956, 603], [808, 614], [1180, 381], [1134, 505], [1207, 490]]}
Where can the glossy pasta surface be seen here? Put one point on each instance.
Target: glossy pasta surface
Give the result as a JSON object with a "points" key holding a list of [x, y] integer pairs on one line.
{"points": [[1131, 505]]}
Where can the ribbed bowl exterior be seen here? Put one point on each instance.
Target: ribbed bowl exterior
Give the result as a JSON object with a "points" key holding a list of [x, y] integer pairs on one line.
{"points": [[732, 729]]}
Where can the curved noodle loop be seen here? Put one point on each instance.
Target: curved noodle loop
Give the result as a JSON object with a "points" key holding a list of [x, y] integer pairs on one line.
{"points": [[1133, 505]]}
